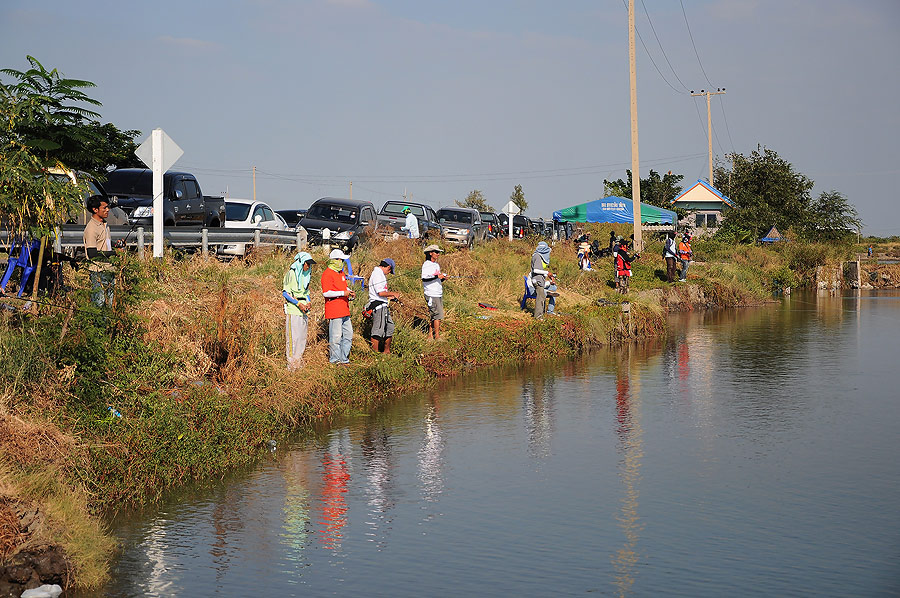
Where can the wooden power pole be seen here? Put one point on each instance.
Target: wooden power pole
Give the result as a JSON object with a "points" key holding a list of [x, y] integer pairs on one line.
{"points": [[635, 159], [254, 183], [709, 125]]}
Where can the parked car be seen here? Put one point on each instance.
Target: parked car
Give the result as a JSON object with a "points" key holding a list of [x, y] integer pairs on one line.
{"points": [[291, 217], [349, 222], [521, 225], [391, 218], [493, 224], [246, 213], [462, 226], [184, 204]]}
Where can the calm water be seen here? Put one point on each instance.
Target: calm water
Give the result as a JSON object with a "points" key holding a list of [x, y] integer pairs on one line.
{"points": [[753, 452]]}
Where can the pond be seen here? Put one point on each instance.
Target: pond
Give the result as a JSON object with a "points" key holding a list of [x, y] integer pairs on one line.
{"points": [[750, 452]]}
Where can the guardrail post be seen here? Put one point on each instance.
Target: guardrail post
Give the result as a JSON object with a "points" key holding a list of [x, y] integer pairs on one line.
{"points": [[140, 242], [204, 241], [57, 240], [301, 239], [256, 238]]}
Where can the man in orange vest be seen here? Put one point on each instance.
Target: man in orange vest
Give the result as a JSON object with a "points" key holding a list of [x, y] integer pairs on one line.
{"points": [[685, 254], [337, 308]]}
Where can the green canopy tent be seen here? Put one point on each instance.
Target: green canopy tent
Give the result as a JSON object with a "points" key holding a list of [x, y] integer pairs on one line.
{"points": [[614, 209]]}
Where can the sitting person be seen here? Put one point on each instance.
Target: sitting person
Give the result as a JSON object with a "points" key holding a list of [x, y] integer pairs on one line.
{"points": [[584, 256]]}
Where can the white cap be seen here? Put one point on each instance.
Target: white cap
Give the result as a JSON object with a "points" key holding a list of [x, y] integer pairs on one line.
{"points": [[337, 254]]}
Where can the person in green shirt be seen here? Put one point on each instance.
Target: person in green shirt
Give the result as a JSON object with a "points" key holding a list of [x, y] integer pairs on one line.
{"points": [[295, 290]]}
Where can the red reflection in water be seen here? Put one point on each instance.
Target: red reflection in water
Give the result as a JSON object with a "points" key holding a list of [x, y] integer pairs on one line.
{"points": [[334, 510], [623, 411]]}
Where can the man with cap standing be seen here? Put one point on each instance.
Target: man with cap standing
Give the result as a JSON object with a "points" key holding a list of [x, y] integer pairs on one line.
{"points": [[295, 290], [379, 302], [337, 308], [411, 228], [433, 284]]}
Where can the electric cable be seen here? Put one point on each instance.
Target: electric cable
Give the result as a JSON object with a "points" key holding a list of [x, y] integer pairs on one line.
{"points": [[697, 54], [649, 20]]}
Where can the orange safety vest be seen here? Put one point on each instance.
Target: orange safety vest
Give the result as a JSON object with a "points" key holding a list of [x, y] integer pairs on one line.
{"points": [[684, 250]]}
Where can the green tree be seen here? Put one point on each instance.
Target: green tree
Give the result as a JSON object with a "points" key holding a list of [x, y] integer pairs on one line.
{"points": [[518, 198], [656, 190], [31, 199], [832, 217], [55, 124], [766, 192], [475, 199]]}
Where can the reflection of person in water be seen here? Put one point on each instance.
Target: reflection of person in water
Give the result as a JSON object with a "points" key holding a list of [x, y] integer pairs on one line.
{"points": [[380, 487], [336, 477], [630, 435], [296, 501], [537, 403], [431, 456]]}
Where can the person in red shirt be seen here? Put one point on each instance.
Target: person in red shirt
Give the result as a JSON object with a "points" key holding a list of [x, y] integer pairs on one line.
{"points": [[337, 308]]}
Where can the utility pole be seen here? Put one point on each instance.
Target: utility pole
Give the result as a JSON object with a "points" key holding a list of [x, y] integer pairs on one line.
{"points": [[254, 183], [635, 160], [703, 92], [351, 189]]}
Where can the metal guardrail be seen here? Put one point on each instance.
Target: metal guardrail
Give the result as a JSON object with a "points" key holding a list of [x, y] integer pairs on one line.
{"points": [[72, 236]]}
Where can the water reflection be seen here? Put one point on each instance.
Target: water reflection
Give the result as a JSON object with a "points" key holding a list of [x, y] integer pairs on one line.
{"points": [[764, 439], [336, 477], [431, 455], [630, 447], [537, 410], [380, 483]]}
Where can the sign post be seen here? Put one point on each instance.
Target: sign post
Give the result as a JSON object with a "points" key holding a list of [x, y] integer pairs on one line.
{"points": [[158, 152], [511, 209]]}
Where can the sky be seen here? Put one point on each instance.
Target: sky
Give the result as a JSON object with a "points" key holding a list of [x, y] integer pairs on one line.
{"points": [[436, 99]]}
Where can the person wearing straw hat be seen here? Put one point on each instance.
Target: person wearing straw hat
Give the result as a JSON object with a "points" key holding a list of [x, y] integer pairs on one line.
{"points": [[295, 290], [411, 228], [433, 286], [337, 308]]}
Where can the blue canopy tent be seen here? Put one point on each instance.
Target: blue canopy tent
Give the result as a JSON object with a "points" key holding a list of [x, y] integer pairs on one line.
{"points": [[614, 209]]}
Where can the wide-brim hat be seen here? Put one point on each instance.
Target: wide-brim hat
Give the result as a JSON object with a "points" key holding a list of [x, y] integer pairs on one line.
{"points": [[337, 254], [431, 248]]}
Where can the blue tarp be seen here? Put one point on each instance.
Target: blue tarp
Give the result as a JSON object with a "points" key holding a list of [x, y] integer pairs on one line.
{"points": [[614, 209]]}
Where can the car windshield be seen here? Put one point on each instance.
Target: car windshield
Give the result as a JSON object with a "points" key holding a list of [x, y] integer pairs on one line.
{"points": [[129, 182], [236, 211], [396, 209], [520, 221], [333, 213], [455, 216], [488, 217]]}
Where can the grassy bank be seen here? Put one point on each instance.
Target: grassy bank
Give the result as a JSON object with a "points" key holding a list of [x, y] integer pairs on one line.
{"points": [[185, 378]]}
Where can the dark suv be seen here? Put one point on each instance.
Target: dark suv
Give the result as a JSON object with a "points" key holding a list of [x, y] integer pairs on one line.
{"points": [[493, 224], [349, 222]]}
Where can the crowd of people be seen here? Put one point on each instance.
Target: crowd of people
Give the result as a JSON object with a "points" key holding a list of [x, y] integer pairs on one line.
{"points": [[542, 282], [337, 296]]}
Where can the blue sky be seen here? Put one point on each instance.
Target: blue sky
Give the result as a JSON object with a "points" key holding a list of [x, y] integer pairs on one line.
{"points": [[440, 98]]}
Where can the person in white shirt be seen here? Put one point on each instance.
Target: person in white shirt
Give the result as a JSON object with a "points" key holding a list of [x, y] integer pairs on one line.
{"points": [[379, 302], [412, 224], [433, 284]]}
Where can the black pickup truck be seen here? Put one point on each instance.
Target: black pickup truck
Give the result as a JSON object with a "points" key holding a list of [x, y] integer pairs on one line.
{"points": [[183, 203]]}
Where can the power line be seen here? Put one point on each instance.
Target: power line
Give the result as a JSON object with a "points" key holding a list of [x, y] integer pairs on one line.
{"points": [[335, 180], [649, 20], [727, 129], [650, 56], [697, 54]]}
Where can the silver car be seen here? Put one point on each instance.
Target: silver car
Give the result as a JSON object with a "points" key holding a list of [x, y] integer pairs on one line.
{"points": [[462, 226]]}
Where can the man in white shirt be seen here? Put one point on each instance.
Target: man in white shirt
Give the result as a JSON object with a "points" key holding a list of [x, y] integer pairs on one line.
{"points": [[379, 302], [412, 224], [433, 285]]}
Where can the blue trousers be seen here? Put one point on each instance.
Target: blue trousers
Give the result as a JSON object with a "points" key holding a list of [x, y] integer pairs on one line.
{"points": [[340, 339]]}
